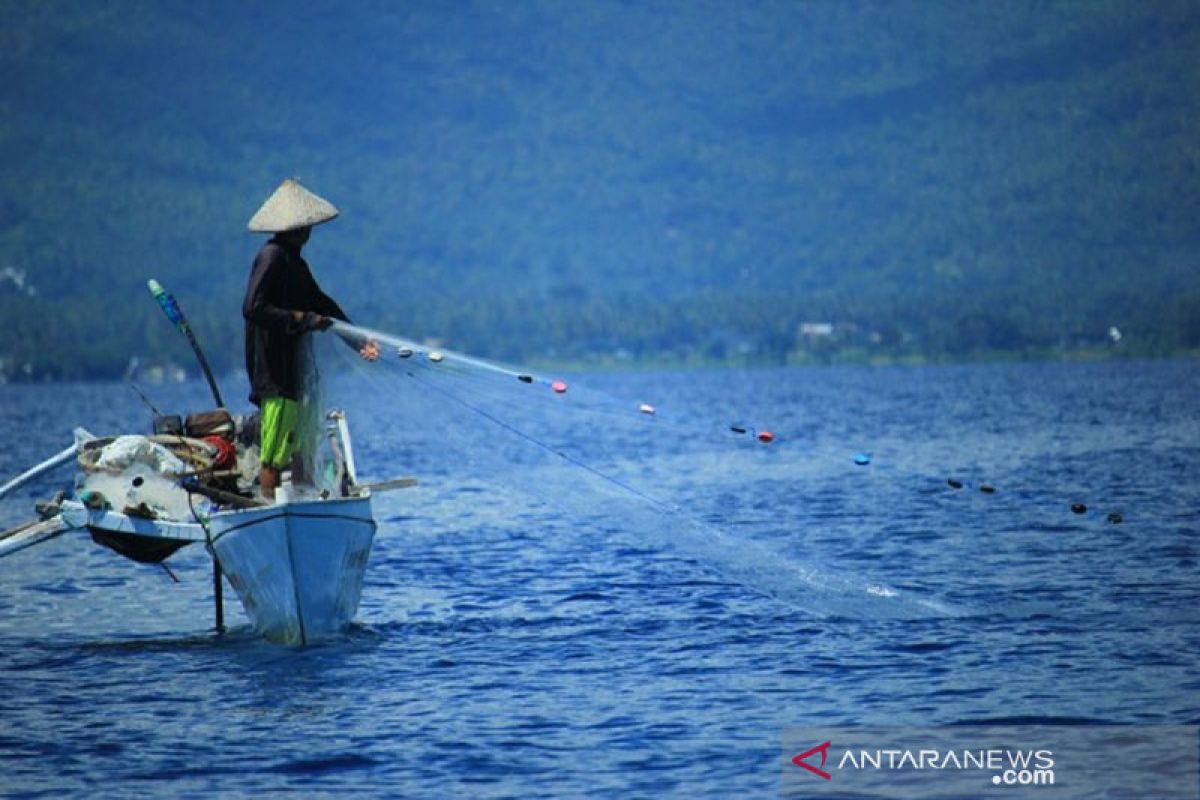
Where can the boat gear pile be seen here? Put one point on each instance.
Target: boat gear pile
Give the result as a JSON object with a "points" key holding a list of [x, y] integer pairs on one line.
{"points": [[142, 474]]}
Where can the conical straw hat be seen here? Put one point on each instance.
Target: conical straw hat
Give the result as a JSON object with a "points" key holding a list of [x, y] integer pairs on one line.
{"points": [[291, 206]]}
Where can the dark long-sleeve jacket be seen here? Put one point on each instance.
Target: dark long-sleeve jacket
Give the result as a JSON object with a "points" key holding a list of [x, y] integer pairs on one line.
{"points": [[280, 282]]}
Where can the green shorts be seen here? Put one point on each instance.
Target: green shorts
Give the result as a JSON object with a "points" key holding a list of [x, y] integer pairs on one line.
{"points": [[278, 431]]}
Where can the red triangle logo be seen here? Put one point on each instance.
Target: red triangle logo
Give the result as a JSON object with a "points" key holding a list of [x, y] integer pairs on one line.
{"points": [[823, 749]]}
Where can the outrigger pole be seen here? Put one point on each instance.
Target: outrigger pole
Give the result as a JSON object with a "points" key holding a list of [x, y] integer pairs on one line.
{"points": [[171, 308]]}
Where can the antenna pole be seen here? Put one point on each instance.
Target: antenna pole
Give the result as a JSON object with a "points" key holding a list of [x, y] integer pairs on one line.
{"points": [[170, 307]]}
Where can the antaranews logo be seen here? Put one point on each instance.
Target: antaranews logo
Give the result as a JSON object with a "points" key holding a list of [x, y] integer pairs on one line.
{"points": [[1013, 762], [1019, 767]]}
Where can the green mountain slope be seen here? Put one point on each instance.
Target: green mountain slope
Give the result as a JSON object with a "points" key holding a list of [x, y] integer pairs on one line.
{"points": [[664, 179]]}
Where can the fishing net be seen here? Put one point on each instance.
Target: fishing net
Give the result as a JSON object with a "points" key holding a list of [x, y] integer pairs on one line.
{"points": [[318, 463], [626, 471]]}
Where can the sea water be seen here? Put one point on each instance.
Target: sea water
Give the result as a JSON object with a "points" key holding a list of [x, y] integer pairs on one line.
{"points": [[509, 648]]}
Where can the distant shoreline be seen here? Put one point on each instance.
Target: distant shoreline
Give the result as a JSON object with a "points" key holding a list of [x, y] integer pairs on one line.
{"points": [[850, 357], [858, 359]]}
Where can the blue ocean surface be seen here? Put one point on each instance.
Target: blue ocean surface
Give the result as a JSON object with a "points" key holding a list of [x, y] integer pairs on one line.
{"points": [[640, 611]]}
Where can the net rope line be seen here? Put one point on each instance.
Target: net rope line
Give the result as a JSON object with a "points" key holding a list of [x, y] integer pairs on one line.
{"points": [[486, 391], [751, 564], [550, 448], [594, 403], [451, 364]]}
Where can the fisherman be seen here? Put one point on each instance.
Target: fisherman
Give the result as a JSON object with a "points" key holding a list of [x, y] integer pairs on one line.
{"points": [[283, 303]]}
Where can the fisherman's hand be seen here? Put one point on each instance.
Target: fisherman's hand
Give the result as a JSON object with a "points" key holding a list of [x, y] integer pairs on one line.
{"points": [[313, 321], [370, 351]]}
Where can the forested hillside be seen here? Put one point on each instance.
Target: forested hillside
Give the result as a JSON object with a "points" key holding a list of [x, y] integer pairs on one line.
{"points": [[601, 179]]}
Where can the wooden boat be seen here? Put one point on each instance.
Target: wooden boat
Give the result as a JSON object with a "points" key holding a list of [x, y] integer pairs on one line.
{"points": [[297, 567]]}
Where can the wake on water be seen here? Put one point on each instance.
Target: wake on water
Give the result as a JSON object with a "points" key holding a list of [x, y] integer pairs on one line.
{"points": [[613, 462]]}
